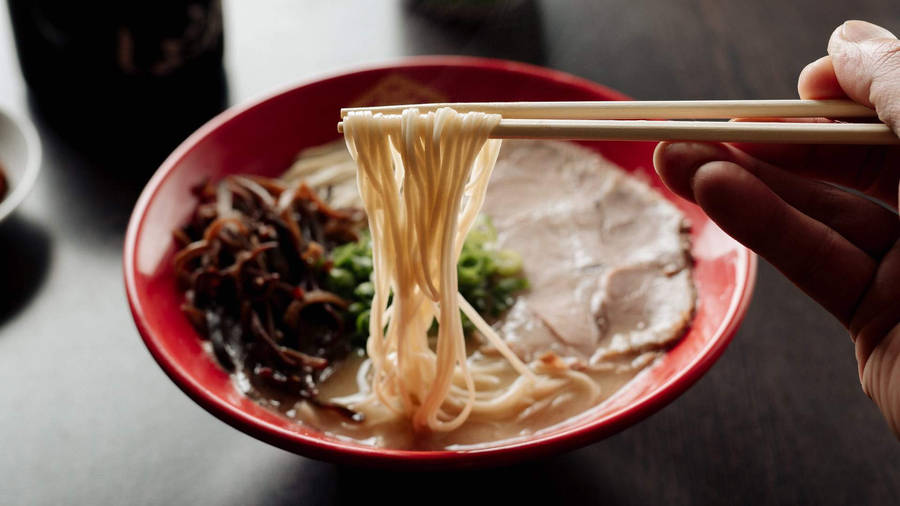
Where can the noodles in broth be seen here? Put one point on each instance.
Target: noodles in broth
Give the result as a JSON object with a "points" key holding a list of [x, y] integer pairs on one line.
{"points": [[423, 179]]}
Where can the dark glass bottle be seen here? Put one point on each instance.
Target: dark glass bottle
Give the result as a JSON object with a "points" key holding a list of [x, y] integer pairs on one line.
{"points": [[141, 73]]}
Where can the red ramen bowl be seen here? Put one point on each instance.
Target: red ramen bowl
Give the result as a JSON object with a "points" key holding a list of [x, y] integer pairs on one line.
{"points": [[264, 137]]}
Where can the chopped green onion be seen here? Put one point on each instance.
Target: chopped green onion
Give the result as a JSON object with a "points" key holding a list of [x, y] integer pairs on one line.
{"points": [[343, 255], [365, 290], [356, 308], [361, 266], [341, 280], [482, 232], [507, 262], [489, 278], [511, 285], [362, 323], [470, 269]]}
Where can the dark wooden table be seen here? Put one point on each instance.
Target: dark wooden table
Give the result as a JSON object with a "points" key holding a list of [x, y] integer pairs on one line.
{"points": [[86, 416]]}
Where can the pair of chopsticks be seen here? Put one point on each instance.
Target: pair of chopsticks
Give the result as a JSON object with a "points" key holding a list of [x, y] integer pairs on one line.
{"points": [[627, 121]]}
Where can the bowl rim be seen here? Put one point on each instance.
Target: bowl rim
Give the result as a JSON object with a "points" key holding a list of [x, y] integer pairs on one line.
{"points": [[33, 155], [356, 454]]}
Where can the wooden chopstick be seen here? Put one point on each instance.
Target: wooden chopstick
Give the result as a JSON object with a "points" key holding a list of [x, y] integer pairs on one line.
{"points": [[655, 109], [630, 130], [543, 121]]}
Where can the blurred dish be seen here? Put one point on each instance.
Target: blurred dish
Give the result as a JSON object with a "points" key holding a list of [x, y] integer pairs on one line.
{"points": [[20, 160]]}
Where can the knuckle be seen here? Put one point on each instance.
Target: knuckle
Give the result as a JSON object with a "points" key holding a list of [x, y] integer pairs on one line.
{"points": [[884, 91], [817, 259], [812, 271], [828, 202], [889, 111], [887, 54], [881, 377]]}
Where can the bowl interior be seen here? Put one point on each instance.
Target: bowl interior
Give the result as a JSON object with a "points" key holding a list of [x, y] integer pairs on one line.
{"points": [[20, 156], [264, 137]]}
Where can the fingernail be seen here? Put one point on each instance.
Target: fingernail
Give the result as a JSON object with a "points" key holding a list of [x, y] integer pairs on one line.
{"points": [[859, 31]]}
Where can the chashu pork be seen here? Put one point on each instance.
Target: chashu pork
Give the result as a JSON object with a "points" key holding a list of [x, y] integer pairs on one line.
{"points": [[606, 256]]}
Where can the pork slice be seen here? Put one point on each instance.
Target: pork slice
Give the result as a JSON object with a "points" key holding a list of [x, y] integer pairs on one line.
{"points": [[637, 225], [564, 271], [642, 307], [587, 233], [529, 337], [534, 178]]}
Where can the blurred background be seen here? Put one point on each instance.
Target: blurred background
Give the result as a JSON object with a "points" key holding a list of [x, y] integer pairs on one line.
{"points": [[86, 416]]}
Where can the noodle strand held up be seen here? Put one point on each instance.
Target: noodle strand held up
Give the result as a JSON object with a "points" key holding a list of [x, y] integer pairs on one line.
{"points": [[423, 180]]}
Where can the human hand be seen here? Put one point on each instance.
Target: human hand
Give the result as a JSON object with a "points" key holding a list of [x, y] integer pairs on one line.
{"points": [[840, 248]]}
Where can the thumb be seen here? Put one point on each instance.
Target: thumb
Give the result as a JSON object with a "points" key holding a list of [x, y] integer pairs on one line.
{"points": [[866, 60]]}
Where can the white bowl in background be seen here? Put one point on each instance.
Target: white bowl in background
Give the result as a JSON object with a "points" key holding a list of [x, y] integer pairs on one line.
{"points": [[20, 157]]}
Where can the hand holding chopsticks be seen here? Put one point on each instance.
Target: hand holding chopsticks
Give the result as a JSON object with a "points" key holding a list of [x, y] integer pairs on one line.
{"points": [[626, 120]]}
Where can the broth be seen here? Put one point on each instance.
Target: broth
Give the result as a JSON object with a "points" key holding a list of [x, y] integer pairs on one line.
{"points": [[399, 434]]}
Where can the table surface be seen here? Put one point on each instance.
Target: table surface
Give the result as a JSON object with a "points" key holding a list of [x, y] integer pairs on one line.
{"points": [[87, 417]]}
